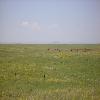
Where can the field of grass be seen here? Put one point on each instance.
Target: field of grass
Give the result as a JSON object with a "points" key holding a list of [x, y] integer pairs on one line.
{"points": [[32, 72]]}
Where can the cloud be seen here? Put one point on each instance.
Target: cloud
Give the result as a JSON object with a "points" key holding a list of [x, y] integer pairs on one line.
{"points": [[34, 26], [37, 27], [25, 23]]}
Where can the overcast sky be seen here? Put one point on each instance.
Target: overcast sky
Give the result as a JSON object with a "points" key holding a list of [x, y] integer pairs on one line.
{"points": [[47, 21]]}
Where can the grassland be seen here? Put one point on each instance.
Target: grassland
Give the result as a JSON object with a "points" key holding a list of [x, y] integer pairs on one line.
{"points": [[69, 75]]}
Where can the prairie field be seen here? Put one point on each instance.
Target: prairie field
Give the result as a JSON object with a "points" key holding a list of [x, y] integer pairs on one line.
{"points": [[49, 72]]}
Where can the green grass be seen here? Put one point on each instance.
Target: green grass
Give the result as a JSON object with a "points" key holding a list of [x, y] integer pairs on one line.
{"points": [[68, 75]]}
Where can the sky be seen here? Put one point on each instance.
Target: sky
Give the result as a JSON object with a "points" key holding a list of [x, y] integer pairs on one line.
{"points": [[49, 21]]}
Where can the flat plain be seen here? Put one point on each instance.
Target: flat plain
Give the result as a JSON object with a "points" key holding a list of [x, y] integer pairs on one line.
{"points": [[49, 72]]}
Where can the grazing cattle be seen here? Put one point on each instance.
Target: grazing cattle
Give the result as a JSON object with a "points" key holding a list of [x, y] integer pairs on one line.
{"points": [[83, 50], [59, 50], [55, 49], [48, 49], [71, 50]]}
